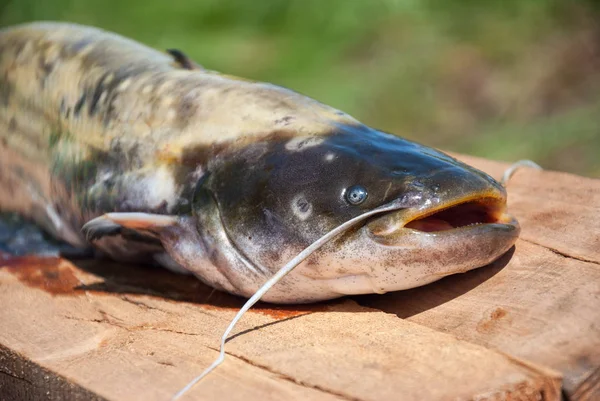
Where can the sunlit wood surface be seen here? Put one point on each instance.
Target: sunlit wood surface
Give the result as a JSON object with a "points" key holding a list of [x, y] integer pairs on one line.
{"points": [[524, 328]]}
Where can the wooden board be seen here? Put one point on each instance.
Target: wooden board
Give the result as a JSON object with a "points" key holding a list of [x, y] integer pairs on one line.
{"points": [[510, 331], [91, 326]]}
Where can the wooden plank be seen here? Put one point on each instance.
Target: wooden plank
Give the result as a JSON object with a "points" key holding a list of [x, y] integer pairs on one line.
{"points": [[542, 303], [557, 210], [114, 346], [124, 332]]}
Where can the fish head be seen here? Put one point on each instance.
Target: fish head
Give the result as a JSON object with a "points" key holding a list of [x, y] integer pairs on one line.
{"points": [[262, 204]]}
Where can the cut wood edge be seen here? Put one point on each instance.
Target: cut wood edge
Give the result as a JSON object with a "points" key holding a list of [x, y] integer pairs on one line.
{"points": [[24, 379]]}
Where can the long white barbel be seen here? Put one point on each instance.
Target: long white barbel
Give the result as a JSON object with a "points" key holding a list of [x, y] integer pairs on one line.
{"points": [[512, 169], [288, 267]]}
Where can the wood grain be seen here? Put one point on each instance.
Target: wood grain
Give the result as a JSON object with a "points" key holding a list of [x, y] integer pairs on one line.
{"points": [[119, 344]]}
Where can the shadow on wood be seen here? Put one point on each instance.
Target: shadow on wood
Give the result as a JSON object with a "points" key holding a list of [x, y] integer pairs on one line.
{"points": [[55, 276]]}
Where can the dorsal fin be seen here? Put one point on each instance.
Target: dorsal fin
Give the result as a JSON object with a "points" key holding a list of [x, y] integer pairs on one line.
{"points": [[183, 61]]}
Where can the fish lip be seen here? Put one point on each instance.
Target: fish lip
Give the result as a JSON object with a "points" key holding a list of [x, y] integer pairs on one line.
{"points": [[398, 219]]}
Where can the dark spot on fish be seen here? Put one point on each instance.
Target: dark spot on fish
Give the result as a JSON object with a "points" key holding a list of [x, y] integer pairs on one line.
{"points": [[63, 106], [12, 125], [79, 105], [183, 60], [96, 96], [45, 69], [110, 88]]}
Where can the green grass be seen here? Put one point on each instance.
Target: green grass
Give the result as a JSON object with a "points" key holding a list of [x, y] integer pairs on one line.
{"points": [[505, 79]]}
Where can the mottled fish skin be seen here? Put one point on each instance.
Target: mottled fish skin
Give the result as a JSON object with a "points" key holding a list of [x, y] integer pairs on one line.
{"points": [[114, 126], [159, 159]]}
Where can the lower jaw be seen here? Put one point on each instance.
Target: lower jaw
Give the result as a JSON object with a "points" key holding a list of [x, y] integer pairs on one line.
{"points": [[413, 272], [411, 259], [401, 235], [428, 257]]}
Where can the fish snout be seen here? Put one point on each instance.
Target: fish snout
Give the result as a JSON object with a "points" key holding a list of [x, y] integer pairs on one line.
{"points": [[450, 198]]}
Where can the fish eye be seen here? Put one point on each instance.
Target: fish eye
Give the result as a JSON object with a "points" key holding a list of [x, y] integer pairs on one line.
{"points": [[356, 194]]}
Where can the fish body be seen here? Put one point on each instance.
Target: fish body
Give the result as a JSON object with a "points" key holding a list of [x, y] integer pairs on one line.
{"points": [[160, 160]]}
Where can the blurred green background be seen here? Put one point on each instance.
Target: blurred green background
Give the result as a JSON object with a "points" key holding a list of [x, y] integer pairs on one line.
{"points": [[502, 79]]}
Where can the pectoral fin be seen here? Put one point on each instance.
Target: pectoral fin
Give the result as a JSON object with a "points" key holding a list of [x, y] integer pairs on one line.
{"points": [[111, 224]]}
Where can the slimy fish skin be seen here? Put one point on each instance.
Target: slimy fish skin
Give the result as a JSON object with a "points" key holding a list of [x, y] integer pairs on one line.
{"points": [[147, 156]]}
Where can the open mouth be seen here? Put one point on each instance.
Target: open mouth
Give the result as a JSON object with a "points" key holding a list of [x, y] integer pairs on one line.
{"points": [[481, 211], [460, 214]]}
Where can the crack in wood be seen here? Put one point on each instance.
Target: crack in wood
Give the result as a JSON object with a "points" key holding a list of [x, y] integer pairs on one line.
{"points": [[141, 304], [559, 253], [242, 358], [290, 379], [130, 328]]}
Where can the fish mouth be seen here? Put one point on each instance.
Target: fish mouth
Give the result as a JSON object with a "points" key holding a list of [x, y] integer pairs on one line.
{"points": [[474, 212]]}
